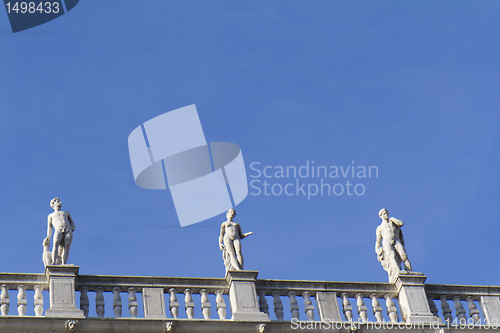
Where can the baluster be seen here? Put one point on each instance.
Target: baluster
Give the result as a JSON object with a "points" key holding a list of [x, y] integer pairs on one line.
{"points": [[446, 309], [360, 303], [117, 302], [294, 306], [347, 308], [459, 310], [263, 306], [432, 305], [205, 304], [278, 305], [4, 300], [188, 300], [221, 305], [174, 304], [21, 300], [99, 301], [38, 300], [84, 300], [132, 302], [392, 311], [473, 311], [377, 309], [308, 306]]}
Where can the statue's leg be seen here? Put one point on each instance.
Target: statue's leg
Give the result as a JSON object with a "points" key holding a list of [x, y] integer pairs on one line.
{"points": [[229, 245], [402, 253], [239, 256], [68, 238], [58, 237]]}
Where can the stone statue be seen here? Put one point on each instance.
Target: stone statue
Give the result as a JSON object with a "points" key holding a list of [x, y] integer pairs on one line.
{"points": [[230, 244], [63, 235], [390, 245]]}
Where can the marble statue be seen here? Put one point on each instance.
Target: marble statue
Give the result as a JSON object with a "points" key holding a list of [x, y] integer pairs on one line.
{"points": [[230, 242], [63, 226], [390, 245]]}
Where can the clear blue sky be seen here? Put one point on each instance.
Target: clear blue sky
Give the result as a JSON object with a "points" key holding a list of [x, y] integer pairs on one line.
{"points": [[409, 87]]}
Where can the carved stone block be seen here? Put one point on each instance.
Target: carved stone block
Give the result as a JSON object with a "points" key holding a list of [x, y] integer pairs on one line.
{"points": [[412, 298], [62, 292], [328, 307], [154, 303], [243, 296]]}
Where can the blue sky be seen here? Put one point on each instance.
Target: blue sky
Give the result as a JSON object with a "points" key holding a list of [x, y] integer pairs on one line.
{"points": [[409, 87]]}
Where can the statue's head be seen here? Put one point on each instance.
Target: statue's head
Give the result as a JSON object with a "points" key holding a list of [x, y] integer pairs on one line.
{"points": [[231, 213], [55, 203], [383, 213]]}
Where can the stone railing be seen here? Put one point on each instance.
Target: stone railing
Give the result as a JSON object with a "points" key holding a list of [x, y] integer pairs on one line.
{"points": [[156, 293], [469, 304], [22, 283], [326, 300], [250, 299]]}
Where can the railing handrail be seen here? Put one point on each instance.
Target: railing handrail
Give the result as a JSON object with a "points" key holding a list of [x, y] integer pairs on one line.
{"points": [[451, 290], [29, 280], [108, 282], [351, 288], [12, 280]]}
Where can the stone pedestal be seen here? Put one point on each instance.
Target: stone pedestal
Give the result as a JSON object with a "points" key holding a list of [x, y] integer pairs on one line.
{"points": [[491, 309], [412, 298], [154, 303], [243, 296], [62, 291]]}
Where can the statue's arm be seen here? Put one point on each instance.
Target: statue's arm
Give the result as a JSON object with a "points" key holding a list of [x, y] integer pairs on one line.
{"points": [[396, 221], [221, 237], [71, 222], [378, 242], [49, 228]]}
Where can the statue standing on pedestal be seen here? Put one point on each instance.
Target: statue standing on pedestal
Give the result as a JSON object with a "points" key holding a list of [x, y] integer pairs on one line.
{"points": [[230, 244], [63, 226], [390, 245]]}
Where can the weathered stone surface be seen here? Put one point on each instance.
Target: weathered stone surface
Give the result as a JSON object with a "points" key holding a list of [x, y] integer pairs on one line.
{"points": [[154, 303], [243, 296], [490, 305], [328, 307], [413, 299], [62, 292]]}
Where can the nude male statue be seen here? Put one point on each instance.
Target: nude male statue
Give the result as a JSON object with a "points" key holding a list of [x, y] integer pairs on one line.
{"points": [[390, 245], [63, 233], [229, 242]]}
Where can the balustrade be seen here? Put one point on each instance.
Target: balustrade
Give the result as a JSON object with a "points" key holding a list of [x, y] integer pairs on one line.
{"points": [[336, 295], [287, 298], [486, 297], [22, 283]]}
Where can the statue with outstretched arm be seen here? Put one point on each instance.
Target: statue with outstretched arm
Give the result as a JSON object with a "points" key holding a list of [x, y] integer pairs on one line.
{"points": [[230, 242]]}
